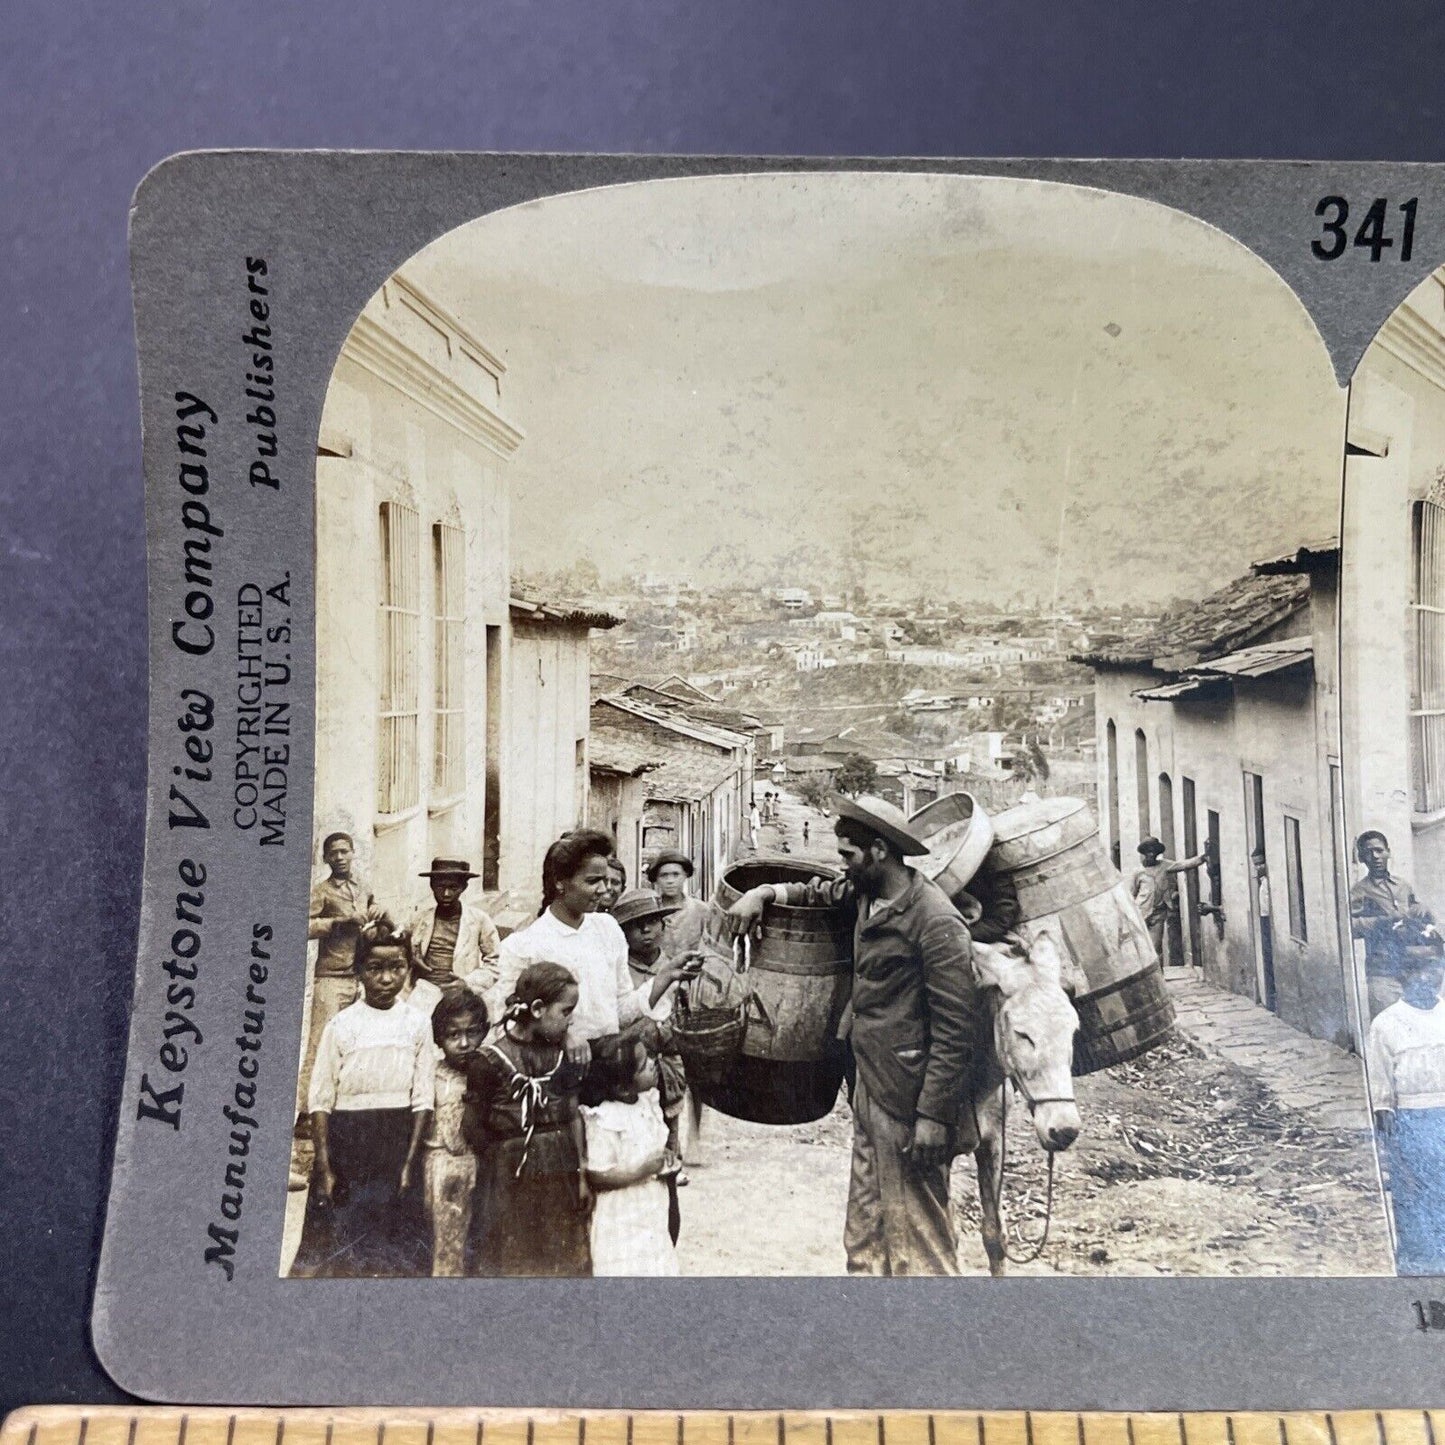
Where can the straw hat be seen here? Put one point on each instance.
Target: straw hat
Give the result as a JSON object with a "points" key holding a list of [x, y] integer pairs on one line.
{"points": [[880, 816]]}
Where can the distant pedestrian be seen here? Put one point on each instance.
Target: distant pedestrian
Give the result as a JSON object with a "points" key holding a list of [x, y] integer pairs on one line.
{"points": [[1405, 1055], [1153, 888], [1266, 910], [807, 828], [1380, 904]]}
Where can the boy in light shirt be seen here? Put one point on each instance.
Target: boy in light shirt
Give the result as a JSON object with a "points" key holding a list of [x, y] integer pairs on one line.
{"points": [[1405, 1054]]}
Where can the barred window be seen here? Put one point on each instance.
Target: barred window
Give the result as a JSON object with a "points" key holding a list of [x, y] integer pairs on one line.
{"points": [[1427, 682], [399, 621], [448, 628]]}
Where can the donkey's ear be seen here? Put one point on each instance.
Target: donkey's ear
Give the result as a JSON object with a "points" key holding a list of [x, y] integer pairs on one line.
{"points": [[1054, 961], [999, 968]]}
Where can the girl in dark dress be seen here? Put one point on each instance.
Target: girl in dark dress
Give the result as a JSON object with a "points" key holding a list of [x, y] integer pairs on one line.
{"points": [[522, 1121]]}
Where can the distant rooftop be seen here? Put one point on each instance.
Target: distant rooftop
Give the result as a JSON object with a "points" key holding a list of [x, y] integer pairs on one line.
{"points": [[562, 614], [616, 752], [1232, 618], [1324, 551]]}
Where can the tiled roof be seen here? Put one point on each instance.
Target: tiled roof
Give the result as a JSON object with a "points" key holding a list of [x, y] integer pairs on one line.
{"points": [[687, 776], [676, 686], [678, 721], [1309, 555], [1223, 622], [567, 614], [610, 751]]}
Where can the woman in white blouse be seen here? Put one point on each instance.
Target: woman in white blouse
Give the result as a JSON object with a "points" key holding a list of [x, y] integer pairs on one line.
{"points": [[569, 931]]}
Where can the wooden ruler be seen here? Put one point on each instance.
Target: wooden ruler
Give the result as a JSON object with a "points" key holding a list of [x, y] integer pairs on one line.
{"points": [[167, 1425]]}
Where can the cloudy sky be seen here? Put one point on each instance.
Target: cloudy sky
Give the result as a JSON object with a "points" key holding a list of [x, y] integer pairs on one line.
{"points": [[902, 381]]}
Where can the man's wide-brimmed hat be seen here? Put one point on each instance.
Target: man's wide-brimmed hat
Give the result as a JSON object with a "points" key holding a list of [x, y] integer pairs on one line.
{"points": [[880, 816], [638, 905], [669, 855], [1151, 845], [449, 868]]}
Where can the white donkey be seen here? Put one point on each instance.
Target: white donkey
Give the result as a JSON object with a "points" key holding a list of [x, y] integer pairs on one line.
{"points": [[1033, 1049]]}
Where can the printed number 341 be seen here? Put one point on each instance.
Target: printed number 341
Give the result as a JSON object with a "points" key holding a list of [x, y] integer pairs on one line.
{"points": [[1334, 212]]}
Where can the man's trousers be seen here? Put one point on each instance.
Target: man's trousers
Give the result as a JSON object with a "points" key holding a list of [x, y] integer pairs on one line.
{"points": [[898, 1216]]}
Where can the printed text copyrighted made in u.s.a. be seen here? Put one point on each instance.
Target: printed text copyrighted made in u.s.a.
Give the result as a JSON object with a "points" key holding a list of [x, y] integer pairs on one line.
{"points": [[219, 479]]}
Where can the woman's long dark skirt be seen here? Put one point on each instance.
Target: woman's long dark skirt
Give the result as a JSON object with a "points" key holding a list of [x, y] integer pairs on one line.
{"points": [[1417, 1190], [369, 1229]]}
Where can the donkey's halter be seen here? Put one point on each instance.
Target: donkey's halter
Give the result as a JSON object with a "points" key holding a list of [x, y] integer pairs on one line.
{"points": [[1034, 1103], [1035, 1247]]}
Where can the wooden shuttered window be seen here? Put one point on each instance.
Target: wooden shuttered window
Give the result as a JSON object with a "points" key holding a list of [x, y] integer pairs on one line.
{"points": [[1427, 682], [449, 638], [398, 783]]}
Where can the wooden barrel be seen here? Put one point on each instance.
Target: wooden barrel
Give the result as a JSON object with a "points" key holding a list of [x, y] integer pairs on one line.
{"points": [[799, 975], [958, 834], [1068, 887]]}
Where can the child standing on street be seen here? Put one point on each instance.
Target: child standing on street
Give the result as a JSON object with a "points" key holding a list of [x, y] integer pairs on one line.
{"points": [[449, 1167], [641, 914], [522, 1121], [626, 1154], [371, 1097], [1405, 1059]]}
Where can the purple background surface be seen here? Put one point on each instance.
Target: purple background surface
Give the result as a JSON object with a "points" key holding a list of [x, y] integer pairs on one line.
{"points": [[92, 95]]}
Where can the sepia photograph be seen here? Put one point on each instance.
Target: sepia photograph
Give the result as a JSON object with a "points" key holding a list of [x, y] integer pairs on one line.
{"points": [[883, 724]]}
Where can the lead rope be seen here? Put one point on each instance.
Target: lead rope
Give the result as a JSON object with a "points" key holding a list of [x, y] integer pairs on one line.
{"points": [[1035, 1247]]}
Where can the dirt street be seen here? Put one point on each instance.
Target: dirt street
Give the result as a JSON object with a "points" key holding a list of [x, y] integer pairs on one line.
{"points": [[1186, 1167], [1189, 1165]]}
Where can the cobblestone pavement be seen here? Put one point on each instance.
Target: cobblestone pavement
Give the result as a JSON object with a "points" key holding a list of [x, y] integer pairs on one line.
{"points": [[1309, 1075]]}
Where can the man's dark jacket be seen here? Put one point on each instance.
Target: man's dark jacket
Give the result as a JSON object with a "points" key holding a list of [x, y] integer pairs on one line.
{"points": [[915, 1009]]}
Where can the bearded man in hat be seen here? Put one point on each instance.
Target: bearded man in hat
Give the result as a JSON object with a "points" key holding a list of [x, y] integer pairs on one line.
{"points": [[914, 1022], [454, 945]]}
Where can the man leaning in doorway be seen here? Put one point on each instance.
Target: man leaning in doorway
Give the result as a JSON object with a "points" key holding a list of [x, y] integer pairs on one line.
{"points": [[1380, 904], [454, 944], [915, 1014], [342, 911], [1156, 892]]}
